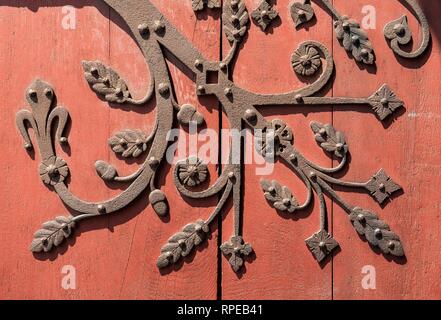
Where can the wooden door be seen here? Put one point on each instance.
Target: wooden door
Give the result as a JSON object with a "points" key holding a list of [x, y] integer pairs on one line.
{"points": [[113, 252]]}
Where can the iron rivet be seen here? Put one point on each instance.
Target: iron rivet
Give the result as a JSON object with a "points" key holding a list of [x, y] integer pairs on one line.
{"points": [[228, 91], [94, 72], [346, 26], [222, 65], [159, 26], [378, 233], [32, 93], [201, 90], [271, 189], [234, 3], [198, 227], [360, 217], [355, 39], [312, 174], [322, 131], [391, 245], [339, 146], [236, 250], [181, 242], [322, 244], [48, 92], [28, 146], [292, 157], [163, 89], [301, 14], [299, 98], [250, 115], [382, 187], [384, 102], [106, 81], [398, 29], [231, 175], [143, 29], [101, 208], [264, 13], [153, 162], [63, 140], [364, 52], [286, 202], [198, 63], [234, 18], [169, 255]]}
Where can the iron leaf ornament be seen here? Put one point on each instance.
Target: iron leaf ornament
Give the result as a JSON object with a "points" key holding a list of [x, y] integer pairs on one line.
{"points": [[153, 32]]}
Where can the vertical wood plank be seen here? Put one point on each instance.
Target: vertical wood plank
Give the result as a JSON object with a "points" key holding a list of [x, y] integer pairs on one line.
{"points": [[408, 148], [282, 266]]}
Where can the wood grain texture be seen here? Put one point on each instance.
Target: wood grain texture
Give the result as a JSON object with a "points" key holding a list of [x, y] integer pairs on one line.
{"points": [[408, 148], [282, 266], [115, 256]]}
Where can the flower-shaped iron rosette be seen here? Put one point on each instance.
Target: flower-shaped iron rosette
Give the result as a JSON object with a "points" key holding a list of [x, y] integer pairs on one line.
{"points": [[53, 170], [192, 171], [306, 60]]}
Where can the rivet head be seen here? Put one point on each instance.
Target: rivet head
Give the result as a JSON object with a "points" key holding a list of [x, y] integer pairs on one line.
{"points": [[234, 3], [399, 29], [198, 63], [339, 146], [153, 162], [181, 242], [250, 115], [101, 208], [264, 13], [200, 90], [286, 202], [143, 29], [231, 175], [159, 26], [198, 227], [382, 187], [355, 39], [346, 26], [52, 170], [222, 65], [299, 98], [391, 245], [271, 189], [236, 250], [322, 131], [360, 217], [322, 245], [32, 93], [63, 140], [378, 233], [312, 175], [48, 92], [28, 146], [364, 52], [301, 13], [163, 89], [292, 157], [384, 102], [234, 18], [228, 91], [94, 71]]}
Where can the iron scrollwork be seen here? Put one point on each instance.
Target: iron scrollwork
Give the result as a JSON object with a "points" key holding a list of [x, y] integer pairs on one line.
{"points": [[155, 34]]}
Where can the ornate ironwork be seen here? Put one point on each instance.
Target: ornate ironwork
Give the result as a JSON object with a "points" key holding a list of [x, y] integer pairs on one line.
{"points": [[156, 36]]}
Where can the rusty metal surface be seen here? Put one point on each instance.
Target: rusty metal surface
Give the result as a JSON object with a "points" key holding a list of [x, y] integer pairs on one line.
{"points": [[155, 34]]}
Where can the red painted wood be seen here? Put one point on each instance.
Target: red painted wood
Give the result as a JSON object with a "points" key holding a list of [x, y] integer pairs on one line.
{"points": [[115, 256], [408, 148], [282, 268]]}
